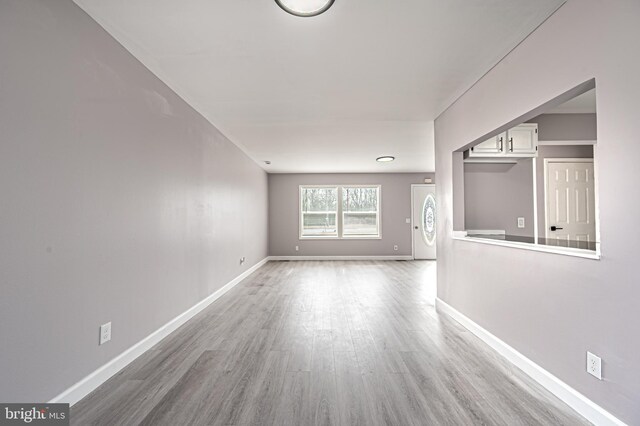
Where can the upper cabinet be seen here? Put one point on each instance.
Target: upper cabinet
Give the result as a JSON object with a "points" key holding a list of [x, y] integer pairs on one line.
{"points": [[518, 142]]}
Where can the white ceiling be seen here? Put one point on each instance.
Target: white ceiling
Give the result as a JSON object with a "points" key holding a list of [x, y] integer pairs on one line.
{"points": [[582, 104], [329, 93]]}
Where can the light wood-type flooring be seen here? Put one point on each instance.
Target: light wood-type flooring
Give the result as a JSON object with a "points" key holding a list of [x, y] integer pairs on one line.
{"points": [[323, 343]]}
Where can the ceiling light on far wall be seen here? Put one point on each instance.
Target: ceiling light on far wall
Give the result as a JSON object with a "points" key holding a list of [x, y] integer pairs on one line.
{"points": [[385, 159], [305, 8]]}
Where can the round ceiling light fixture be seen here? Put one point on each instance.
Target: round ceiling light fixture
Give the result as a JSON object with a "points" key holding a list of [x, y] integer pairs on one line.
{"points": [[305, 8], [385, 159]]}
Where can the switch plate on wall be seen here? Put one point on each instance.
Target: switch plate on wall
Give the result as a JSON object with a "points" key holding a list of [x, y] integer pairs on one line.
{"points": [[395, 248], [521, 222], [105, 333], [594, 365], [407, 220]]}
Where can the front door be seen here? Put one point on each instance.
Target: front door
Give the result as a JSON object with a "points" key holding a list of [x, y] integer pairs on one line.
{"points": [[570, 201], [424, 221]]}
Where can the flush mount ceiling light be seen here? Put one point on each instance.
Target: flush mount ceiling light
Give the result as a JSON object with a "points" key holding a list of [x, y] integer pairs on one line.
{"points": [[305, 8], [385, 159]]}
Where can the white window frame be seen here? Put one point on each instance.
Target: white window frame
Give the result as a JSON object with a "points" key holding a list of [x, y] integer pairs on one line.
{"points": [[340, 214]]}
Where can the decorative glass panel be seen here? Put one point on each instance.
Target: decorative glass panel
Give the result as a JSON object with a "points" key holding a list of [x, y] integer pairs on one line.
{"points": [[429, 220]]}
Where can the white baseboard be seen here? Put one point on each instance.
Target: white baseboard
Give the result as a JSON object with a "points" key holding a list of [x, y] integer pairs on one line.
{"points": [[85, 386], [574, 399], [409, 257]]}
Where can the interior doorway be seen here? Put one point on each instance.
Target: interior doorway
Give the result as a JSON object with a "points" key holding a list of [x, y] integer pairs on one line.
{"points": [[570, 216]]}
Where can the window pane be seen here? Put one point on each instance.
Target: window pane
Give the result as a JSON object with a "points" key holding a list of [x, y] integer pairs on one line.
{"points": [[319, 224], [319, 199], [360, 199], [360, 224], [360, 211]]}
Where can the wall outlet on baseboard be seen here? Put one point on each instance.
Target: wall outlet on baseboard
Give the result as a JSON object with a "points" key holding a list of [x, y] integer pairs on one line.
{"points": [[297, 248], [594, 365], [395, 248], [105, 333], [521, 222]]}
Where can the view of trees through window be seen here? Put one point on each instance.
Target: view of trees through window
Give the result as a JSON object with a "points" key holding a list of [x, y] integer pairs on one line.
{"points": [[360, 211], [356, 214], [320, 211]]}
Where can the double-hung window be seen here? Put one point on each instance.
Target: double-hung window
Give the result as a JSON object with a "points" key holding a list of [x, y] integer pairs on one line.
{"points": [[340, 211]]}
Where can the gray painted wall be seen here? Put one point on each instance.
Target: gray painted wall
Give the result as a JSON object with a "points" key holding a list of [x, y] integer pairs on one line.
{"points": [[395, 208], [560, 151], [566, 127], [554, 308], [118, 201], [495, 195]]}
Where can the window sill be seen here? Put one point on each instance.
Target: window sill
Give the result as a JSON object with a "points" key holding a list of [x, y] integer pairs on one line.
{"points": [[565, 251], [340, 238]]}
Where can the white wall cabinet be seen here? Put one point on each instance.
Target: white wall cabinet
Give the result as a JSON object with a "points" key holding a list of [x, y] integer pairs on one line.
{"points": [[518, 142]]}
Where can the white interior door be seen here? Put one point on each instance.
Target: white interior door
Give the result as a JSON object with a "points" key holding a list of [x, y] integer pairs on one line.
{"points": [[570, 203], [423, 221]]}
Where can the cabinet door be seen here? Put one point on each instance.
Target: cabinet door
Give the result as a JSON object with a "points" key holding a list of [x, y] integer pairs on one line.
{"points": [[523, 139], [490, 147]]}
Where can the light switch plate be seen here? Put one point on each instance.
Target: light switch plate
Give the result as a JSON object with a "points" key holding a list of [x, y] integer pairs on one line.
{"points": [[407, 220], [521, 222]]}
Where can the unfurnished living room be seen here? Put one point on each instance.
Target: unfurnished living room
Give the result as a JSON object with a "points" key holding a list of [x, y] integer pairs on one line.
{"points": [[319, 212]]}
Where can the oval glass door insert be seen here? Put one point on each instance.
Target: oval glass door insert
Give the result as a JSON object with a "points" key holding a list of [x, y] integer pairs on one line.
{"points": [[429, 220]]}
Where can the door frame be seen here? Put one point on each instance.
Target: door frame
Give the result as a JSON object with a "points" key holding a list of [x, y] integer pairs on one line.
{"points": [[595, 192], [413, 219]]}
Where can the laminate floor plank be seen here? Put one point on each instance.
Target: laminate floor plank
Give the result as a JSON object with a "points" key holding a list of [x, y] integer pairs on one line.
{"points": [[323, 343]]}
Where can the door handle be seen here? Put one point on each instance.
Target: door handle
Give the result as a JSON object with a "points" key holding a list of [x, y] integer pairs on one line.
{"points": [[511, 144], [415, 227], [555, 228]]}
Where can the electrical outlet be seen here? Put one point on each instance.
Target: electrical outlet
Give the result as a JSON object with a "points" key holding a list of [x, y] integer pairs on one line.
{"points": [[395, 248], [521, 222], [105, 333], [297, 248], [594, 365]]}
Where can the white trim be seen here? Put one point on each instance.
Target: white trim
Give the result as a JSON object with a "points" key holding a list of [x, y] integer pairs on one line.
{"points": [[339, 235], [490, 160], [569, 142], [596, 195], [534, 164], [89, 383], [580, 403], [340, 258], [566, 251], [474, 232]]}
